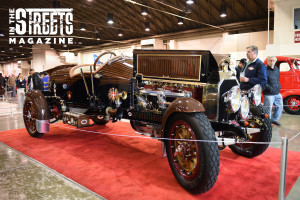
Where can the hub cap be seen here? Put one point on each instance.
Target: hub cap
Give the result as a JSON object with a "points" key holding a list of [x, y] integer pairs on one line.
{"points": [[294, 103]]}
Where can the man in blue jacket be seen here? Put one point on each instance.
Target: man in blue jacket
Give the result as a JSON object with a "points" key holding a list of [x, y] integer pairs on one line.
{"points": [[46, 81], [255, 72], [272, 91]]}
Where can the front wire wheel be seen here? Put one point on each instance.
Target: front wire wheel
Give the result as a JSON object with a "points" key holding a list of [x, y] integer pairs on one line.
{"points": [[29, 116], [195, 165]]}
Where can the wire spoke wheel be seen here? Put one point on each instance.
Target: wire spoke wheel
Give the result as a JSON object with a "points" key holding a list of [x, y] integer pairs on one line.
{"points": [[194, 164], [30, 116], [184, 153], [264, 135]]}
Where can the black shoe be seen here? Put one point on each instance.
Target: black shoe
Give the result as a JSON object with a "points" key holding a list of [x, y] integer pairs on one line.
{"points": [[276, 123]]}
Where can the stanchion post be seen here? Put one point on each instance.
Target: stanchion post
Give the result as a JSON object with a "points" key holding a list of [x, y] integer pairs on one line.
{"points": [[283, 161]]}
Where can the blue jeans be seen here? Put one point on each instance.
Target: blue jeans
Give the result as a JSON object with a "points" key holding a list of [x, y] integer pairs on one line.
{"points": [[269, 100], [13, 93]]}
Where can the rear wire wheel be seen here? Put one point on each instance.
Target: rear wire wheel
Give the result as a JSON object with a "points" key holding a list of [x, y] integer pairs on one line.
{"points": [[194, 164], [29, 116], [251, 150]]}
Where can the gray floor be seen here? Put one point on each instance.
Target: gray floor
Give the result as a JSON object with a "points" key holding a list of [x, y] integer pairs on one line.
{"points": [[19, 180], [22, 177]]}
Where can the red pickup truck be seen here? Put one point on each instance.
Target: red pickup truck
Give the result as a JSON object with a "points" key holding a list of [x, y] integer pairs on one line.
{"points": [[290, 83]]}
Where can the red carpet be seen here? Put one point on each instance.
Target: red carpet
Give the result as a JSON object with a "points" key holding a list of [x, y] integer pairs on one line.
{"points": [[132, 168]]}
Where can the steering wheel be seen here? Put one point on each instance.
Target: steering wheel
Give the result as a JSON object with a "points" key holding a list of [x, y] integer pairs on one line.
{"points": [[98, 58]]}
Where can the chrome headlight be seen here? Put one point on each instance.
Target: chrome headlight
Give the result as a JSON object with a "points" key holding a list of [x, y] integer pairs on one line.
{"points": [[233, 98], [245, 107], [255, 94]]}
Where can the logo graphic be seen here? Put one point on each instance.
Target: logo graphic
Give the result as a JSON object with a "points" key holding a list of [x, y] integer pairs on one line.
{"points": [[113, 94], [40, 26]]}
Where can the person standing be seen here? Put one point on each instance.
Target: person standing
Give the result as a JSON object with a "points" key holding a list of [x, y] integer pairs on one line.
{"points": [[37, 83], [255, 72], [238, 69], [21, 84], [29, 82], [2, 80], [12, 84], [46, 81], [271, 91]]}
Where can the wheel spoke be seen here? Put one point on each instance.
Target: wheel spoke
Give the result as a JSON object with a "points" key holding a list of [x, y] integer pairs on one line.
{"points": [[185, 154]]}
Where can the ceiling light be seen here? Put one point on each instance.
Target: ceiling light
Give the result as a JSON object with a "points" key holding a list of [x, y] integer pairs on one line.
{"points": [[20, 46], [8, 57], [79, 41], [189, 1], [223, 12], [223, 9], [11, 49], [223, 15], [110, 18], [51, 46], [144, 11], [147, 26], [65, 46], [22, 54], [82, 27], [1, 33], [2, 50], [180, 21], [97, 36], [120, 33], [15, 56]]}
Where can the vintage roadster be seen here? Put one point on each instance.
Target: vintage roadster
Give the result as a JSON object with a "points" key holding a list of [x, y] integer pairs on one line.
{"points": [[174, 96]]}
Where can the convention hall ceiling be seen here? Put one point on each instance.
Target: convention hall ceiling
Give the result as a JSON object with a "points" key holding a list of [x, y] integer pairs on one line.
{"points": [[200, 17]]}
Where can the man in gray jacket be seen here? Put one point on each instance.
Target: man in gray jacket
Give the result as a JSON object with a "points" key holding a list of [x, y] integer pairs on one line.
{"points": [[272, 91], [12, 84]]}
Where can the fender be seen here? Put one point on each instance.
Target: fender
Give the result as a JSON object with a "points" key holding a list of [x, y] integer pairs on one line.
{"points": [[287, 93], [185, 105], [42, 109]]}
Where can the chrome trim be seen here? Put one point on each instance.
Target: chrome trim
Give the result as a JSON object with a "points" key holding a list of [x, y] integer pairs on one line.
{"points": [[253, 130], [225, 141], [219, 85], [42, 126]]}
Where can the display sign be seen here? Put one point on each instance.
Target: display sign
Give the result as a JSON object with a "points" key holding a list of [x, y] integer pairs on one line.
{"points": [[297, 37], [40, 26]]}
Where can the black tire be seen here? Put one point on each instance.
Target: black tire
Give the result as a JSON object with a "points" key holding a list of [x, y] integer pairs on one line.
{"points": [[294, 110], [100, 121], [265, 135], [29, 116], [204, 156]]}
